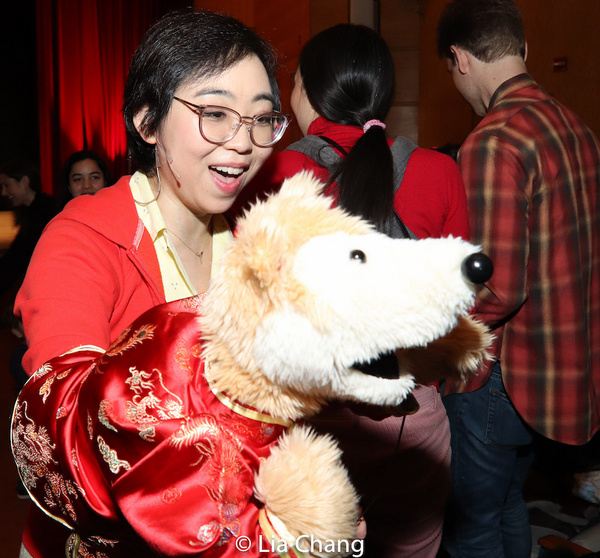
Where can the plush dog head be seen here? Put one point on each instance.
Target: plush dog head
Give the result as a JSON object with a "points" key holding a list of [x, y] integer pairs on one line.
{"points": [[307, 291]]}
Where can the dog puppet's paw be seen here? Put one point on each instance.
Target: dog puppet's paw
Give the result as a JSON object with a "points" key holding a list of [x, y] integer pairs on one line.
{"points": [[305, 486], [455, 356]]}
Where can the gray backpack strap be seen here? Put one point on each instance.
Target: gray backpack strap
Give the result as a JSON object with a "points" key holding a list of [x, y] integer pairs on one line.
{"points": [[401, 149], [318, 150], [324, 154]]}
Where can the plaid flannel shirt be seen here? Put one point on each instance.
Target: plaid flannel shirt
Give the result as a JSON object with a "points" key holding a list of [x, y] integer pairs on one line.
{"points": [[532, 173]]}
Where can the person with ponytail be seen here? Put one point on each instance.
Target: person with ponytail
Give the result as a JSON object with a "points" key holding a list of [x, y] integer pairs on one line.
{"points": [[344, 87]]}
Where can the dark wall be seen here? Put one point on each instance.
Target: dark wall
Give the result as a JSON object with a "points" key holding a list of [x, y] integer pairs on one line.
{"points": [[18, 93]]}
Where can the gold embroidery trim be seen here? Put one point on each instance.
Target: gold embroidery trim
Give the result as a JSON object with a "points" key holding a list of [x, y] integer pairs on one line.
{"points": [[249, 412]]}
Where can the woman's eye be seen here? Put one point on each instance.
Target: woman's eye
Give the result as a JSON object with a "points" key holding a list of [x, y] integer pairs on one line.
{"points": [[358, 256], [264, 120], [214, 115]]}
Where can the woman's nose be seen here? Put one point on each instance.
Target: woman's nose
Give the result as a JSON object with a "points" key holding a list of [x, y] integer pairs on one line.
{"points": [[241, 142], [477, 268]]}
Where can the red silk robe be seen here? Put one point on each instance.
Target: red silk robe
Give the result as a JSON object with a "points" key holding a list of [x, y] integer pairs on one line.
{"points": [[135, 453]]}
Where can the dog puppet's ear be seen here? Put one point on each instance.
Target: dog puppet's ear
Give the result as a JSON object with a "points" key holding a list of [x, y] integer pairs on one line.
{"points": [[270, 234], [456, 356]]}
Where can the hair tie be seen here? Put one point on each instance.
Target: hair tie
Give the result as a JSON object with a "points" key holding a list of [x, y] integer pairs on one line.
{"points": [[373, 123]]}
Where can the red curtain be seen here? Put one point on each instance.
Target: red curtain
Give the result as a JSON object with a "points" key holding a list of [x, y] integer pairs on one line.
{"points": [[84, 50]]}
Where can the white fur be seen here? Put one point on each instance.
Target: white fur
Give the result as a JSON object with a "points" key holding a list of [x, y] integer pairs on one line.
{"points": [[405, 293]]}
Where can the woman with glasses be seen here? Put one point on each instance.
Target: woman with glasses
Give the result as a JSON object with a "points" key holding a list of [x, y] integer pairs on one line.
{"points": [[201, 113]]}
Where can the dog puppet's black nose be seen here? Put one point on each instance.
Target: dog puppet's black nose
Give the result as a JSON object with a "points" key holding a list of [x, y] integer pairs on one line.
{"points": [[477, 268]]}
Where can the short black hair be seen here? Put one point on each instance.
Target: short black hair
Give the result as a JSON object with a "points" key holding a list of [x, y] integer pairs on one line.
{"points": [[488, 29], [183, 46]]}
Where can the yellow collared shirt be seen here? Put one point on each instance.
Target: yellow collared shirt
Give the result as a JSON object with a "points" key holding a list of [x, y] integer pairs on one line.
{"points": [[176, 282]]}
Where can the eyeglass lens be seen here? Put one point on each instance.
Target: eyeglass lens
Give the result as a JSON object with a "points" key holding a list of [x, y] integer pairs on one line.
{"points": [[219, 124]]}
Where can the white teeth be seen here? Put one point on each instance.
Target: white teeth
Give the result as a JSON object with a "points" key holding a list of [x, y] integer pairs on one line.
{"points": [[229, 170]]}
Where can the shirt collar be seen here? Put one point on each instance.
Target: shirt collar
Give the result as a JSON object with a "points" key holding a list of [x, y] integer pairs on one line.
{"points": [[515, 83], [150, 213]]}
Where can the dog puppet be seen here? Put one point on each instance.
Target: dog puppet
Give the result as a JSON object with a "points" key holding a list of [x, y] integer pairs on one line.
{"points": [[185, 437]]}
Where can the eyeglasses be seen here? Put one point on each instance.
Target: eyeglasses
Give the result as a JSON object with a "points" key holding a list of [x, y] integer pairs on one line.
{"points": [[220, 124]]}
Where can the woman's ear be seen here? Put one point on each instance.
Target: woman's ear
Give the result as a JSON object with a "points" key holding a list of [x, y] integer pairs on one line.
{"points": [[139, 123]]}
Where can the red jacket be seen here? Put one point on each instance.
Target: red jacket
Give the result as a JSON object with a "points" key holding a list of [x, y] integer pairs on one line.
{"points": [[93, 272]]}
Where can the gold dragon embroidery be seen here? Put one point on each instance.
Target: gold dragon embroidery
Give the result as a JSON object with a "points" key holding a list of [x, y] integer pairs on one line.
{"points": [[127, 339], [33, 451], [219, 451], [146, 409]]}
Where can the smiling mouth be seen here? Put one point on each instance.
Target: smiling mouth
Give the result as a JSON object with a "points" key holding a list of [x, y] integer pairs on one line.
{"points": [[228, 172]]}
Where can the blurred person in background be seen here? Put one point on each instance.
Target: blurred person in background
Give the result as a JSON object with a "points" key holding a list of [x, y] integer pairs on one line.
{"points": [[20, 184], [399, 459], [84, 172]]}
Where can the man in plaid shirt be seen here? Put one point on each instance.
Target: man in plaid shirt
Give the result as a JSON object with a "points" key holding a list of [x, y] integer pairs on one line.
{"points": [[532, 173]]}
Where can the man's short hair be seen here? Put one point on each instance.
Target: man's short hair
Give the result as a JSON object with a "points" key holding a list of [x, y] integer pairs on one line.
{"points": [[488, 29]]}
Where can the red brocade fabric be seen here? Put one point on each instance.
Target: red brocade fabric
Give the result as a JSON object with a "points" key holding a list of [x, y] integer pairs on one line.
{"points": [[135, 453]]}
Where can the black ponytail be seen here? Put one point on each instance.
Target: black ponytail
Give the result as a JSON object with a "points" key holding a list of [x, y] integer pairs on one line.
{"points": [[348, 74]]}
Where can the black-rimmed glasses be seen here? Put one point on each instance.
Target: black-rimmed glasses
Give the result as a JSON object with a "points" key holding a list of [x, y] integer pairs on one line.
{"points": [[220, 124]]}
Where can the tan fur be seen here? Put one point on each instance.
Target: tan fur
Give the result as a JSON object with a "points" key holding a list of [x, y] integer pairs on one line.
{"points": [[303, 484], [453, 357], [258, 268]]}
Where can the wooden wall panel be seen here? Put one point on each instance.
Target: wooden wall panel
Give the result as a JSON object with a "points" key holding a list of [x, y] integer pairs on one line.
{"points": [[240, 9], [406, 62], [399, 26], [287, 28], [556, 29], [403, 120], [326, 13]]}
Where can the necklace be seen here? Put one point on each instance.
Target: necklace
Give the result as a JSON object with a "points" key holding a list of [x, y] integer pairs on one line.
{"points": [[197, 254]]}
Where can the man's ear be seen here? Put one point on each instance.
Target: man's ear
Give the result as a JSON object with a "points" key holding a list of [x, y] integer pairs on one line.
{"points": [[461, 59], [138, 122], [526, 52]]}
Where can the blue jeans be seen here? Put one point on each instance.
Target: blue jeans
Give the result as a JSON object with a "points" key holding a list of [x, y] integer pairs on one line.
{"points": [[491, 456]]}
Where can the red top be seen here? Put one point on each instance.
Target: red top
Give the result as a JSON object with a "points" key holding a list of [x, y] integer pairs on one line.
{"points": [[431, 200], [93, 272]]}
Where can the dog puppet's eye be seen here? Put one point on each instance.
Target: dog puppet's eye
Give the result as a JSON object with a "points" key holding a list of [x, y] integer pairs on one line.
{"points": [[359, 256]]}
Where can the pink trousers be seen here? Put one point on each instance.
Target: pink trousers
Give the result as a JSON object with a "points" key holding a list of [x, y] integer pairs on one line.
{"points": [[403, 492]]}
